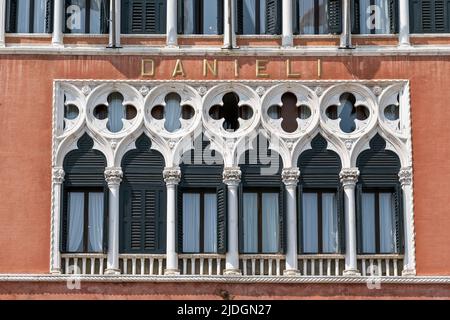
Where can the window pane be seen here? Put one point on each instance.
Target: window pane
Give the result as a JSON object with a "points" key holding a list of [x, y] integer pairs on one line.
{"points": [[172, 112], [76, 16], [98, 8], [374, 18], [76, 221], [309, 210], [210, 17], [210, 224], [39, 16], [189, 17], [312, 18], [116, 112], [96, 212], [329, 223], [191, 222], [249, 14], [387, 224], [368, 222], [23, 16], [270, 227], [250, 222]]}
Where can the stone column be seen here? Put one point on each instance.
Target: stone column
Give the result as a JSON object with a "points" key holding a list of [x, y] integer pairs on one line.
{"points": [[229, 26], [287, 39], [349, 178], [290, 179], [232, 178], [172, 23], [172, 177], [403, 34], [114, 24], [113, 176], [57, 36], [57, 179], [405, 178], [346, 35], [2, 22]]}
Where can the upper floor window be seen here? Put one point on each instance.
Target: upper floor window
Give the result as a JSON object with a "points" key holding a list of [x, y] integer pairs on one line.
{"points": [[429, 16], [375, 16], [86, 16], [258, 16], [200, 16], [29, 16], [143, 16], [310, 17]]}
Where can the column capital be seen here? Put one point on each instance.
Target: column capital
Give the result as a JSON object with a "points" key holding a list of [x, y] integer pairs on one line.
{"points": [[290, 176], [113, 176], [58, 175], [172, 176], [405, 176], [231, 176], [349, 176]]}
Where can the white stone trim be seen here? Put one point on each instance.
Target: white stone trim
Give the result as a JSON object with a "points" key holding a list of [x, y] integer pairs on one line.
{"points": [[287, 39], [171, 23], [58, 36], [403, 23], [2, 22]]}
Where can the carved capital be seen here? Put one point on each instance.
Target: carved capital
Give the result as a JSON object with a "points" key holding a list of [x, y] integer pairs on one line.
{"points": [[290, 176], [58, 175], [172, 176], [231, 175], [349, 176], [113, 176], [405, 176]]}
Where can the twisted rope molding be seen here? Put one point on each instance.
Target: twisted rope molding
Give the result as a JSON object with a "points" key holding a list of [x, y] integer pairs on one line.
{"points": [[228, 279]]}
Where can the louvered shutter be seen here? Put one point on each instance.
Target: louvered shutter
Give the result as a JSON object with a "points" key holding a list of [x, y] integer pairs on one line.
{"points": [[49, 16], [300, 218], [104, 16], [393, 16], [334, 16], [341, 219], [222, 219], [11, 16], [359, 218], [398, 216], [430, 16], [151, 220], [136, 16], [220, 13], [273, 17], [282, 221], [239, 16], [155, 17], [355, 15], [180, 14], [179, 220]]}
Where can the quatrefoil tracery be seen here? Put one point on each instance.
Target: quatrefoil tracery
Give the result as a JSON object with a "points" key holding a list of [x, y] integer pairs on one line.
{"points": [[290, 112], [115, 111], [347, 112], [172, 112], [231, 111]]}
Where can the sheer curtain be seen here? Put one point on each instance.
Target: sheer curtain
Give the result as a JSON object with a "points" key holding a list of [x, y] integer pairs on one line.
{"points": [[116, 113], [249, 15], [210, 224], [23, 16], [329, 220], [191, 222], [270, 222], [375, 17], [76, 16], [39, 16], [210, 17], [307, 13], [188, 16], [96, 212], [368, 222], [76, 221], [172, 113], [95, 15], [309, 210], [250, 222], [387, 224]]}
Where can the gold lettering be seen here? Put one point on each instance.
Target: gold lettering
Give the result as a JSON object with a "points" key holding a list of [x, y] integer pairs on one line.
{"points": [[261, 66], [289, 72], [319, 68], [178, 70], [207, 66], [236, 68], [148, 68]]}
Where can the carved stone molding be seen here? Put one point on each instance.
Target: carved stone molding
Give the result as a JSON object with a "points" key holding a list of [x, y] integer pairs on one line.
{"points": [[290, 176], [172, 176], [349, 176], [58, 175], [113, 176], [405, 176], [232, 176]]}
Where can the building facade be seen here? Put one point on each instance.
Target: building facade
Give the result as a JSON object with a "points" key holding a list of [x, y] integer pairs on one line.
{"points": [[224, 149]]}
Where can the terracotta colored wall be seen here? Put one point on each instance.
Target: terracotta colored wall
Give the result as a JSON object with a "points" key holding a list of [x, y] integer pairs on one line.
{"points": [[25, 137]]}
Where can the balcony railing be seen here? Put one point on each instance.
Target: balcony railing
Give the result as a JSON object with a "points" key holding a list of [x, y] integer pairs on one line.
{"points": [[381, 265]]}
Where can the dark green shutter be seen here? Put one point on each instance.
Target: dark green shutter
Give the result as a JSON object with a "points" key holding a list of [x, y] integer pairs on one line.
{"points": [[282, 221], [49, 16], [179, 220], [239, 16], [222, 219], [180, 14], [273, 17], [300, 218], [359, 218], [220, 13], [11, 16], [104, 17], [341, 219], [393, 16], [399, 216], [64, 222], [144, 16], [355, 15], [334, 16], [430, 16]]}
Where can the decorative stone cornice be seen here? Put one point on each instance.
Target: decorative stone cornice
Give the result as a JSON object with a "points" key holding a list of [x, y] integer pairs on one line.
{"points": [[231, 175], [405, 176], [290, 176], [58, 175], [172, 176], [349, 176], [113, 176]]}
